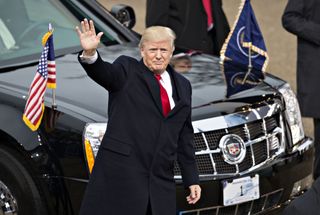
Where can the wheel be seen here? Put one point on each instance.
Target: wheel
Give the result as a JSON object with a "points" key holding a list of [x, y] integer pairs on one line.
{"points": [[18, 192]]}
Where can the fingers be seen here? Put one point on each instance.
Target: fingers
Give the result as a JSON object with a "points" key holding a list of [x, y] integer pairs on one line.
{"points": [[83, 29], [78, 31], [195, 194], [92, 28], [86, 25]]}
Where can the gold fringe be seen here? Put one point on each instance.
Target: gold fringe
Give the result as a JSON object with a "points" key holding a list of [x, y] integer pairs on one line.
{"points": [[29, 124], [225, 45], [52, 85], [46, 37]]}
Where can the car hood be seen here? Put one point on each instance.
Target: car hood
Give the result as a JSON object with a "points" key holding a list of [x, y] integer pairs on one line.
{"points": [[77, 93]]}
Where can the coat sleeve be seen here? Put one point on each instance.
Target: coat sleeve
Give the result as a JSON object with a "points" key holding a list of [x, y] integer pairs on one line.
{"points": [[296, 21], [186, 154], [157, 12], [111, 76]]}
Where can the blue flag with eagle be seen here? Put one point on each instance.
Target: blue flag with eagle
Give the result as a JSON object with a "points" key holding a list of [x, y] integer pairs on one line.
{"points": [[244, 41]]}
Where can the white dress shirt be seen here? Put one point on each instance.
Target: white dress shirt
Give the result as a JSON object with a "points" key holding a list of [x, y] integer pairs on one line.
{"points": [[165, 77], [166, 83]]}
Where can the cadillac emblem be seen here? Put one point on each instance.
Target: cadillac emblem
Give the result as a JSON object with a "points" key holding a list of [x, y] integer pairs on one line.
{"points": [[233, 148]]}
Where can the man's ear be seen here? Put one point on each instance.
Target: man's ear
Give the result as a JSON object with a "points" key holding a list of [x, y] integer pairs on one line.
{"points": [[142, 52], [172, 51]]}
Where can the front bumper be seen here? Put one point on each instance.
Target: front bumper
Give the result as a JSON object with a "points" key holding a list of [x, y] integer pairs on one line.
{"points": [[276, 183]]}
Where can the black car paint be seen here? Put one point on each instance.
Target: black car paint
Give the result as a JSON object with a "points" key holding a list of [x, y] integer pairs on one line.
{"points": [[55, 152]]}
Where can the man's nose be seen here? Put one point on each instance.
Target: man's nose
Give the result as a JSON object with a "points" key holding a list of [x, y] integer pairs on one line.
{"points": [[158, 54]]}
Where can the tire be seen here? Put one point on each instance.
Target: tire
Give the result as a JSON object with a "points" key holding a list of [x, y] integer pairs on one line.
{"points": [[18, 192]]}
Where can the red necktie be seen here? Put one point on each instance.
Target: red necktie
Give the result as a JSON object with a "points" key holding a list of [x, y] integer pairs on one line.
{"points": [[207, 8], [164, 97]]}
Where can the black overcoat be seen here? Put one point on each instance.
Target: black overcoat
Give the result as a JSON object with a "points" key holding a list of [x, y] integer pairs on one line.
{"points": [[188, 19], [302, 18], [306, 204], [134, 165]]}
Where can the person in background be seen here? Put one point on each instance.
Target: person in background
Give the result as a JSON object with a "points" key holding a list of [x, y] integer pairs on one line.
{"points": [[302, 18], [149, 127], [181, 63], [200, 25]]}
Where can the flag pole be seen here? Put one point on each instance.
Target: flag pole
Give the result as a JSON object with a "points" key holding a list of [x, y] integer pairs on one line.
{"points": [[54, 105], [249, 66]]}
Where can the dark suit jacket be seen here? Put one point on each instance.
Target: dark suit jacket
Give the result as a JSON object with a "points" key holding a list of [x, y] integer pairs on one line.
{"points": [[135, 162], [188, 19], [307, 204], [302, 18]]}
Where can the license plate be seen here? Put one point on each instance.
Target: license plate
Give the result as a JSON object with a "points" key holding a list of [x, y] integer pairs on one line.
{"points": [[241, 190]]}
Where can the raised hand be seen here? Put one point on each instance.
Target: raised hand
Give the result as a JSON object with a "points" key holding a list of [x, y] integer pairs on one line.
{"points": [[89, 40]]}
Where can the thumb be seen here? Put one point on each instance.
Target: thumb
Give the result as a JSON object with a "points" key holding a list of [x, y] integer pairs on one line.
{"points": [[99, 35], [192, 192]]}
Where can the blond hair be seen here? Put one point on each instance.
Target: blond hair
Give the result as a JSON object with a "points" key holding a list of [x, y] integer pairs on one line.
{"points": [[157, 33]]}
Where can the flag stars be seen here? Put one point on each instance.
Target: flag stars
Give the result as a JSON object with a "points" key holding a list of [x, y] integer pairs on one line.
{"points": [[43, 67]]}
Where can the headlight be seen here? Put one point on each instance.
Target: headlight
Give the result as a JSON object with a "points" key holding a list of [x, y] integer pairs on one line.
{"points": [[293, 113], [92, 136]]}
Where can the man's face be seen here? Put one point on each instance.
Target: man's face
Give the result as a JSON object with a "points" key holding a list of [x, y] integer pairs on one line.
{"points": [[156, 55]]}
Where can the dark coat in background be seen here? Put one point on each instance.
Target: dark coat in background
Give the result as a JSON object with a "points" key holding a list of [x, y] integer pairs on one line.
{"points": [[302, 18], [307, 204], [134, 165], [188, 19]]}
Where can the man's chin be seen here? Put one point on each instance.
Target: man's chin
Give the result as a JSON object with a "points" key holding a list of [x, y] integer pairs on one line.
{"points": [[158, 69]]}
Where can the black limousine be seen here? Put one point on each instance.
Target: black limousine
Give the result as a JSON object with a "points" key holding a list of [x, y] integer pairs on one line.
{"points": [[251, 151]]}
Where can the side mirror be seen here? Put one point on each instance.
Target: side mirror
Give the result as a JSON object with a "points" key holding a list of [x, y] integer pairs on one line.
{"points": [[124, 14]]}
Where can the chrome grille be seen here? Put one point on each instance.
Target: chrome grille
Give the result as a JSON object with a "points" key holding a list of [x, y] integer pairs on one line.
{"points": [[265, 202], [261, 138]]}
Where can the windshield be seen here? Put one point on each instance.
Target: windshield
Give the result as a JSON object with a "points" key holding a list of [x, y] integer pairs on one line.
{"points": [[24, 22]]}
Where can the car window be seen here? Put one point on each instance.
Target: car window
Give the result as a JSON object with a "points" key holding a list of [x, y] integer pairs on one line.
{"points": [[24, 22]]}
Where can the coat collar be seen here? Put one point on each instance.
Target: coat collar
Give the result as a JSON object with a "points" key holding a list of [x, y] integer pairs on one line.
{"points": [[151, 82]]}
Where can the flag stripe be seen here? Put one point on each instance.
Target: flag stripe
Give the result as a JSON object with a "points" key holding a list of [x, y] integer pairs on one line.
{"points": [[46, 74], [36, 100], [36, 116], [35, 93], [33, 84]]}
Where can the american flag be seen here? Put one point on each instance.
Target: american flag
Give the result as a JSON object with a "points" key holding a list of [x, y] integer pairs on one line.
{"points": [[44, 77], [51, 65]]}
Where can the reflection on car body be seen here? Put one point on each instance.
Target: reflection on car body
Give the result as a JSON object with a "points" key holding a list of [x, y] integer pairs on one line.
{"points": [[46, 172]]}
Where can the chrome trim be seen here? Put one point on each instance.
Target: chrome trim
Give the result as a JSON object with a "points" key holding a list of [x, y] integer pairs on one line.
{"points": [[208, 151], [282, 142], [246, 116], [267, 161], [8, 201], [226, 152], [249, 143], [210, 154], [264, 127], [265, 116], [266, 137], [306, 145], [217, 208]]}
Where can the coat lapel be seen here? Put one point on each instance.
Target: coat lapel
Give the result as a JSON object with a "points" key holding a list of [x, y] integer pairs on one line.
{"points": [[153, 87], [178, 94], [152, 84]]}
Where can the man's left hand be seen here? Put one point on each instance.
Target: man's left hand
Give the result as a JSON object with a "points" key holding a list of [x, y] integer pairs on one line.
{"points": [[195, 194]]}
